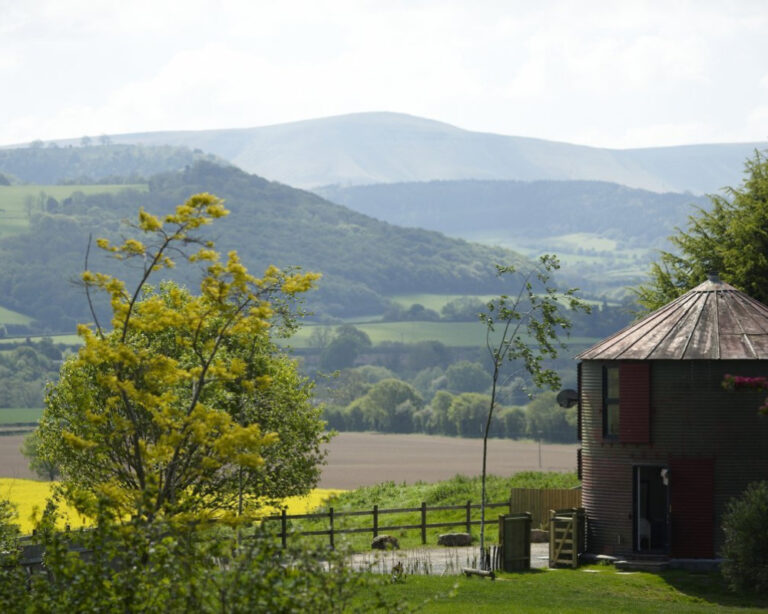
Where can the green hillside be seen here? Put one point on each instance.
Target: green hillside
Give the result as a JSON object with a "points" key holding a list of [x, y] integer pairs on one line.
{"points": [[605, 234], [536, 209], [363, 260]]}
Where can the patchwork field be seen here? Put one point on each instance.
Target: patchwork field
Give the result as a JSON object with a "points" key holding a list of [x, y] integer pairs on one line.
{"points": [[20, 415], [361, 459], [452, 334], [17, 202]]}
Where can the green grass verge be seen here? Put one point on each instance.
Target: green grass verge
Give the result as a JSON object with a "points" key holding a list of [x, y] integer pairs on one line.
{"points": [[20, 415], [588, 589], [456, 491]]}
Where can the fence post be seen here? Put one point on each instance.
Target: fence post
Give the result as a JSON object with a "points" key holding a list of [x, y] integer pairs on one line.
{"points": [[423, 523], [469, 517], [330, 533], [375, 521], [283, 527]]}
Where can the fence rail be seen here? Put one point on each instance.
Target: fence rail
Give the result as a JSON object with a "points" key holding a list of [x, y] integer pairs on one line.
{"points": [[331, 516]]}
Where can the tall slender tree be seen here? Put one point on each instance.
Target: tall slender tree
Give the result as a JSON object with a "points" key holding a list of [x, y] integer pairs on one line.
{"points": [[521, 331]]}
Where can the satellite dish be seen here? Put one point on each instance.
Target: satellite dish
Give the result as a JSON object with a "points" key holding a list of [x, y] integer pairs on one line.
{"points": [[567, 398]]}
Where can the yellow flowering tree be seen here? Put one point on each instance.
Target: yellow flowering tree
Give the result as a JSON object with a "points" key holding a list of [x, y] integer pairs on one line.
{"points": [[159, 415]]}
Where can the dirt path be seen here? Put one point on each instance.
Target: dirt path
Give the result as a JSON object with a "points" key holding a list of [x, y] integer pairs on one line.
{"points": [[360, 459]]}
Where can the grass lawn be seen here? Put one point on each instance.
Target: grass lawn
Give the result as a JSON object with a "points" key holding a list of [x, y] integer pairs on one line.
{"points": [[588, 589], [20, 415]]}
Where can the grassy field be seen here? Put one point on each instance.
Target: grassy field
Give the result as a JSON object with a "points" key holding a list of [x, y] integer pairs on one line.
{"points": [[455, 491], [13, 317], [20, 415], [18, 201], [565, 591], [65, 339], [438, 301], [452, 334], [435, 301]]}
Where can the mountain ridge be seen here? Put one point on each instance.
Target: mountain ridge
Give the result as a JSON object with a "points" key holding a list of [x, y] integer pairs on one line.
{"points": [[385, 147]]}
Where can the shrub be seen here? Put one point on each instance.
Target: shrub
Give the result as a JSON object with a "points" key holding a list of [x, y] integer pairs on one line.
{"points": [[164, 568], [745, 523]]}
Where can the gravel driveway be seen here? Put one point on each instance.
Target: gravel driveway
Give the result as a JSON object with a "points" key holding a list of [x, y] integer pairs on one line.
{"points": [[436, 560]]}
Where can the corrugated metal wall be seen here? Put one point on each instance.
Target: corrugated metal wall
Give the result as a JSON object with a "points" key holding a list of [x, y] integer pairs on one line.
{"points": [[691, 417]]}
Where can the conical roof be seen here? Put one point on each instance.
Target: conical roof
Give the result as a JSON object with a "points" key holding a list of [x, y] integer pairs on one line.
{"points": [[713, 321]]}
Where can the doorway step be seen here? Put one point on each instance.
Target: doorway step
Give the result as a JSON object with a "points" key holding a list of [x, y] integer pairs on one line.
{"points": [[643, 562]]}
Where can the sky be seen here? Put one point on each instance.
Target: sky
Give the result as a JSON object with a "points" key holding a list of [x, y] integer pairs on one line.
{"points": [[607, 74]]}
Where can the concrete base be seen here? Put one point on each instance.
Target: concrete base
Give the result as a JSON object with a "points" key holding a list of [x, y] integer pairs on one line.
{"points": [[695, 564], [640, 565], [652, 564]]}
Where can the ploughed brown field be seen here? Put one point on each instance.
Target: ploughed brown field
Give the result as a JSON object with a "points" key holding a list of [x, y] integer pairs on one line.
{"points": [[360, 459]]}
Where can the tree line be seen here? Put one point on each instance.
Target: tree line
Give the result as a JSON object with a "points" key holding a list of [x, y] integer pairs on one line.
{"points": [[25, 370]]}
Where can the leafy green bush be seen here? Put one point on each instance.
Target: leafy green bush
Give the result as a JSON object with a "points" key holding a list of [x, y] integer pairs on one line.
{"points": [[159, 568], [9, 531], [745, 567]]}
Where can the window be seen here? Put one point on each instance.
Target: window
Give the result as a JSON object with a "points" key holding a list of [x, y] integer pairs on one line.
{"points": [[611, 402]]}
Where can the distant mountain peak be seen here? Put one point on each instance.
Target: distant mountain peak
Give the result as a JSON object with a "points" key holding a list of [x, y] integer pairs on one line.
{"points": [[387, 147]]}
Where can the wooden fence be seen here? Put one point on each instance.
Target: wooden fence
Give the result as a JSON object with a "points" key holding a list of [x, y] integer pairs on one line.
{"points": [[331, 516], [539, 501]]}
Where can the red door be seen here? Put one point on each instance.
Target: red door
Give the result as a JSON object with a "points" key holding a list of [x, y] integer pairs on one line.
{"points": [[691, 497]]}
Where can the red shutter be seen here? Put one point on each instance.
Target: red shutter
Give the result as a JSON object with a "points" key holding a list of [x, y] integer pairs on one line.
{"points": [[691, 497], [634, 402]]}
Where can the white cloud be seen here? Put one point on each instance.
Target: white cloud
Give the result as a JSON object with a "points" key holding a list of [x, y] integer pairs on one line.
{"points": [[616, 74]]}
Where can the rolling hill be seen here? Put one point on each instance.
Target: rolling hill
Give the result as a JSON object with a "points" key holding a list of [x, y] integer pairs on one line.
{"points": [[478, 210], [367, 148], [362, 259], [605, 234]]}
